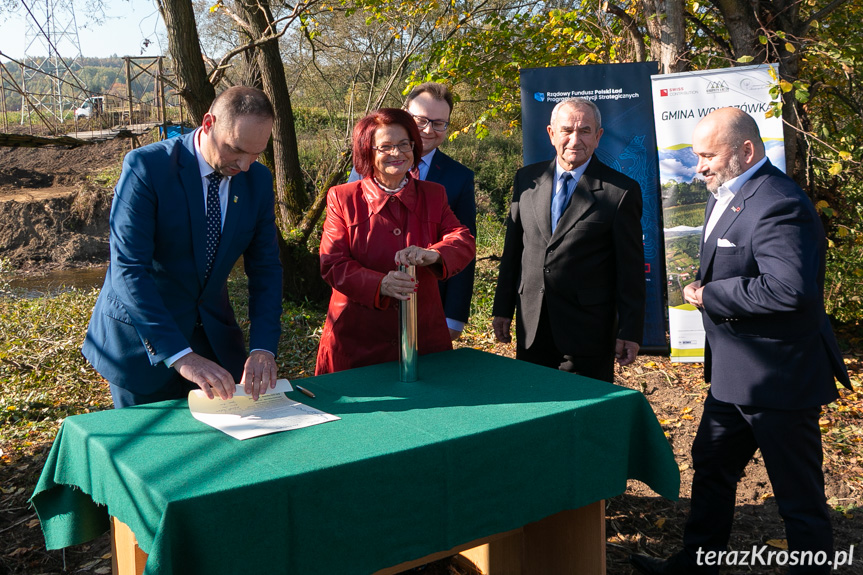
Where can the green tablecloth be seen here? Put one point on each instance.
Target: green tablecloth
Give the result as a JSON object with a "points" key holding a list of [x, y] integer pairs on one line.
{"points": [[480, 445]]}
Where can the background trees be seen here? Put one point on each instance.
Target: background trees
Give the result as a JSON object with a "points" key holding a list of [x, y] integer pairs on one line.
{"points": [[327, 62]]}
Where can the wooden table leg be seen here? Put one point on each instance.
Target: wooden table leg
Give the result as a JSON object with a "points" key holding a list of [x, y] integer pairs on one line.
{"points": [[126, 557], [569, 542]]}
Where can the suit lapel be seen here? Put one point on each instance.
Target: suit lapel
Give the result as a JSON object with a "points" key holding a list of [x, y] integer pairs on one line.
{"points": [[190, 177], [437, 169], [581, 201], [237, 193], [732, 212], [540, 199]]}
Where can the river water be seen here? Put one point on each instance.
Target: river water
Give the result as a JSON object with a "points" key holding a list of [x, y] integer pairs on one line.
{"points": [[53, 282]]}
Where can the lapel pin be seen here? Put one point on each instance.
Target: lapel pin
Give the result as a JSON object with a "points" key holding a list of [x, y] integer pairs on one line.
{"points": [[235, 199], [735, 209]]}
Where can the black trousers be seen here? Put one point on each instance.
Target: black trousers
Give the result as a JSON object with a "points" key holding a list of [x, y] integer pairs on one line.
{"points": [[177, 388], [790, 443], [544, 351]]}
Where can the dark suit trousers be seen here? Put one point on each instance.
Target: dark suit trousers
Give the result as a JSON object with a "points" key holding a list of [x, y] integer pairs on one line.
{"points": [[177, 388], [790, 443], [545, 352]]}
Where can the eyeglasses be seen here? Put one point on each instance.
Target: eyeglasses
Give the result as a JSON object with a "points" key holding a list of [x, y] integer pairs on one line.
{"points": [[403, 147], [437, 125]]}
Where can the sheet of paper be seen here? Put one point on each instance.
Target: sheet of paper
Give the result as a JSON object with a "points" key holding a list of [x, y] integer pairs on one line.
{"points": [[241, 417], [282, 386]]}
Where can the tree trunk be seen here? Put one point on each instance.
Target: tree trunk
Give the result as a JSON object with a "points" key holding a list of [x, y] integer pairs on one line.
{"points": [[301, 276], [666, 25], [743, 28], [291, 196], [185, 48]]}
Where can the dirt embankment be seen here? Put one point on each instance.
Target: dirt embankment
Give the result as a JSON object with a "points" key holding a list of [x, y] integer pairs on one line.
{"points": [[54, 204]]}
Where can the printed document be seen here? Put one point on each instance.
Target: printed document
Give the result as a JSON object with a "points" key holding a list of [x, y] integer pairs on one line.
{"points": [[241, 417]]}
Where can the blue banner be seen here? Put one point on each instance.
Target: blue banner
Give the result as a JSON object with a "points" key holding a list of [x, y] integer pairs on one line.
{"points": [[623, 94]]}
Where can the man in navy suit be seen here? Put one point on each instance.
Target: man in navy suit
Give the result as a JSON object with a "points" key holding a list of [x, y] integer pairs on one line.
{"points": [[431, 105], [184, 211], [771, 356]]}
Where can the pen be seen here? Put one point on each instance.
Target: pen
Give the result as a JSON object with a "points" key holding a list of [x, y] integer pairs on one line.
{"points": [[305, 391]]}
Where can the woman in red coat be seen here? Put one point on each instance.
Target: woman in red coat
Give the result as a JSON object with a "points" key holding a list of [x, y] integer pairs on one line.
{"points": [[373, 225]]}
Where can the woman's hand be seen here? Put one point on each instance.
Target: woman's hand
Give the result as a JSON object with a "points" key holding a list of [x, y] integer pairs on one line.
{"points": [[398, 285], [416, 256]]}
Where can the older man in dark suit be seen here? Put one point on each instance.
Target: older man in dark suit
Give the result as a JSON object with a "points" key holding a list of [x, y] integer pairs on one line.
{"points": [[771, 356], [184, 212], [573, 258]]}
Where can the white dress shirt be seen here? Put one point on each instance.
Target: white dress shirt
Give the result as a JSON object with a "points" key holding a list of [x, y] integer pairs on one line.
{"points": [[725, 193]]}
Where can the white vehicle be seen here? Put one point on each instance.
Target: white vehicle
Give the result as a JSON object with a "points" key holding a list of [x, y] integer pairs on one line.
{"points": [[91, 107]]}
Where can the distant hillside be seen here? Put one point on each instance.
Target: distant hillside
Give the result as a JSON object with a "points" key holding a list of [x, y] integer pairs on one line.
{"points": [[98, 75]]}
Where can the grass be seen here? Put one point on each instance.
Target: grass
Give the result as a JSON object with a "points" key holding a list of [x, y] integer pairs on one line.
{"points": [[45, 379]]}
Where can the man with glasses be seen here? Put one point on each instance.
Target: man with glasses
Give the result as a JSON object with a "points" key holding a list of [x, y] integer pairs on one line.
{"points": [[431, 105]]}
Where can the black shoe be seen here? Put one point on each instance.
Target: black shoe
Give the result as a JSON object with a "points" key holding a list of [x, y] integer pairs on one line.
{"points": [[679, 564]]}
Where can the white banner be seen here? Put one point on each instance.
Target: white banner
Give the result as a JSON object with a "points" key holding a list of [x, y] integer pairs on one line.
{"points": [[680, 101]]}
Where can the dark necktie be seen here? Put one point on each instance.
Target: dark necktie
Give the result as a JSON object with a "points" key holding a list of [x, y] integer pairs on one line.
{"points": [[214, 219], [558, 203]]}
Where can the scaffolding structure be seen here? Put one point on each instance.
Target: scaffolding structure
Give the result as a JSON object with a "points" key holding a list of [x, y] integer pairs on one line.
{"points": [[52, 49]]}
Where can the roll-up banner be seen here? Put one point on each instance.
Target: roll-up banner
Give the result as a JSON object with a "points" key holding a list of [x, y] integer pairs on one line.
{"points": [[623, 94], [680, 101]]}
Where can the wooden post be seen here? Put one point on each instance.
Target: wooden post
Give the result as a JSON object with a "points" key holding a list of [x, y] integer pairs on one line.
{"points": [[126, 557], [161, 88], [129, 87], [3, 96]]}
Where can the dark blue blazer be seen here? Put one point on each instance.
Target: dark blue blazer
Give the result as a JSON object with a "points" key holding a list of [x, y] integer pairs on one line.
{"points": [[769, 340], [155, 289], [458, 180]]}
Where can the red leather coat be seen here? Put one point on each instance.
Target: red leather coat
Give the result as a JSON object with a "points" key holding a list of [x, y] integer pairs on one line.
{"points": [[364, 229]]}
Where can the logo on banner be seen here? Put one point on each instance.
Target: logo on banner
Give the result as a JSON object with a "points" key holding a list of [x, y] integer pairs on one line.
{"points": [[754, 84], [678, 91], [717, 87], [539, 96]]}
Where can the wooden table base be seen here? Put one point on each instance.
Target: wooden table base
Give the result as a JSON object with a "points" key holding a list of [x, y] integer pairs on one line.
{"points": [[569, 542]]}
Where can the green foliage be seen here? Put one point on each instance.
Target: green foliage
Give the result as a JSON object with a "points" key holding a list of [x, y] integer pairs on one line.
{"points": [[843, 290], [494, 160], [684, 193]]}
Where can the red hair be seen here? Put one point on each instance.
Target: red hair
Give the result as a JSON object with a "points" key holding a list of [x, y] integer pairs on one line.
{"points": [[364, 137]]}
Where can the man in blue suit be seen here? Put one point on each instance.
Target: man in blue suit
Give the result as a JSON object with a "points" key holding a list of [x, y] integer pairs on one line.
{"points": [[431, 105], [184, 211], [771, 356]]}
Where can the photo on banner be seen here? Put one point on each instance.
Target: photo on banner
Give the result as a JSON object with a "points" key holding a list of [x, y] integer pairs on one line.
{"points": [[680, 101], [623, 94]]}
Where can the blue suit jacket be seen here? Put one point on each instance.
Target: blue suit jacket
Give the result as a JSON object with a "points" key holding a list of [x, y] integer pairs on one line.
{"points": [[769, 340], [458, 180], [155, 292]]}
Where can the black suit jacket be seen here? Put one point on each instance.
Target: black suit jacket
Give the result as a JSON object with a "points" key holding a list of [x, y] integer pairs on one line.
{"points": [[769, 341], [590, 272]]}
